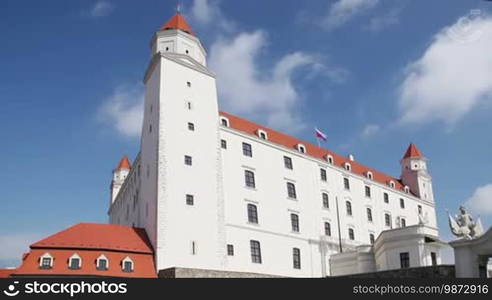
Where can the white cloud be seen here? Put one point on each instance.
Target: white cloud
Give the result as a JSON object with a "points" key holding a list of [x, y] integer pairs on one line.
{"points": [[343, 11], [15, 244], [101, 8], [123, 110], [370, 130], [208, 13], [453, 76], [250, 90], [481, 200], [380, 22]]}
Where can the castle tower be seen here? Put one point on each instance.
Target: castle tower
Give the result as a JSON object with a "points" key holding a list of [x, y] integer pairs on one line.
{"points": [[180, 153], [414, 173], [119, 176]]}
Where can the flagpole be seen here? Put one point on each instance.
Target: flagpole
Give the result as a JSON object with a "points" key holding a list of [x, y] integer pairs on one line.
{"points": [[317, 139]]}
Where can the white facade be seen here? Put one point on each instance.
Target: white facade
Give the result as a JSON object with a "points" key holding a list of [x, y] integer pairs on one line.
{"points": [[182, 121]]}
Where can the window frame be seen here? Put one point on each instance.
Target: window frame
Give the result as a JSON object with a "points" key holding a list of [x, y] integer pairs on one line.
{"points": [[124, 264], [102, 257], [249, 179], [323, 175], [291, 190], [348, 208], [247, 150], [327, 227], [252, 210], [71, 259], [296, 258], [404, 260], [255, 249], [230, 250], [188, 160], [294, 223], [325, 200], [288, 163], [351, 234]]}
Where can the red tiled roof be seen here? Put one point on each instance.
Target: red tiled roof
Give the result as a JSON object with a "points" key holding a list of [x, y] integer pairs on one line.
{"points": [[311, 150], [143, 264], [412, 151], [98, 236], [124, 163], [5, 273], [178, 22]]}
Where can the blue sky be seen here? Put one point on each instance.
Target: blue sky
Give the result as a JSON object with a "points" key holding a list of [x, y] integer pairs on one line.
{"points": [[374, 75]]}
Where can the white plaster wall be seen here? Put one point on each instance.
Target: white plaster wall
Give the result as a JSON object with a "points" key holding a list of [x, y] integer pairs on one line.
{"points": [[274, 207], [178, 223]]}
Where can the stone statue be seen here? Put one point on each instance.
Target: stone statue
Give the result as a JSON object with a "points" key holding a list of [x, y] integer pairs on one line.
{"points": [[463, 225], [423, 219]]}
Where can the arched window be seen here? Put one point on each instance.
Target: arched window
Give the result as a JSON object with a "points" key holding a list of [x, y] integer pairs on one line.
{"points": [[46, 261], [392, 184], [224, 121], [369, 175], [301, 148], [349, 208], [102, 263], [347, 166], [406, 189], [329, 159], [127, 265], [74, 262], [262, 134]]}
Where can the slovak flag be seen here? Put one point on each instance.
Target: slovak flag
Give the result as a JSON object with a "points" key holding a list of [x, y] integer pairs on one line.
{"points": [[320, 135]]}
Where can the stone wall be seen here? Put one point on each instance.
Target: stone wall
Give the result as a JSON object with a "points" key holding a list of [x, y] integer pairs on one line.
{"points": [[202, 273], [442, 271]]}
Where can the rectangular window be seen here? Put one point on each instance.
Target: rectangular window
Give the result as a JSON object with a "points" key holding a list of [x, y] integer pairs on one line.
{"points": [[294, 220], [188, 84], [349, 208], [326, 200], [291, 190], [402, 203], [386, 198], [255, 252], [190, 200], [74, 263], [346, 183], [46, 263], [434, 258], [191, 126], [403, 222], [405, 260], [368, 191], [127, 266], [323, 174], [369, 214], [327, 229], [188, 160], [224, 122], [249, 178], [252, 214], [193, 248], [296, 257], [223, 144], [351, 234], [102, 264], [371, 238], [230, 250], [288, 163], [387, 220], [247, 150], [419, 209]]}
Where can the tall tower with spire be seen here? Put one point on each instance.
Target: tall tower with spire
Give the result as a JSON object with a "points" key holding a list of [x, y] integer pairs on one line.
{"points": [[414, 173], [119, 176], [181, 185]]}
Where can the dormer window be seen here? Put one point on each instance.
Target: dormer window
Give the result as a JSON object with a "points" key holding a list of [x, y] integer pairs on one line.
{"points": [[369, 175], [262, 134], [406, 189], [329, 159], [127, 265], [224, 121], [301, 148], [102, 263], [46, 261], [392, 184], [74, 262], [347, 166]]}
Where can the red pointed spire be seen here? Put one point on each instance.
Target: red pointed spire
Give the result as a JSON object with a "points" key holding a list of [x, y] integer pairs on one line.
{"points": [[413, 151], [178, 22], [124, 164]]}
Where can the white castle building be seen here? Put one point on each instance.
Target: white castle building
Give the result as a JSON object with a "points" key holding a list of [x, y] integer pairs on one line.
{"points": [[215, 191]]}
